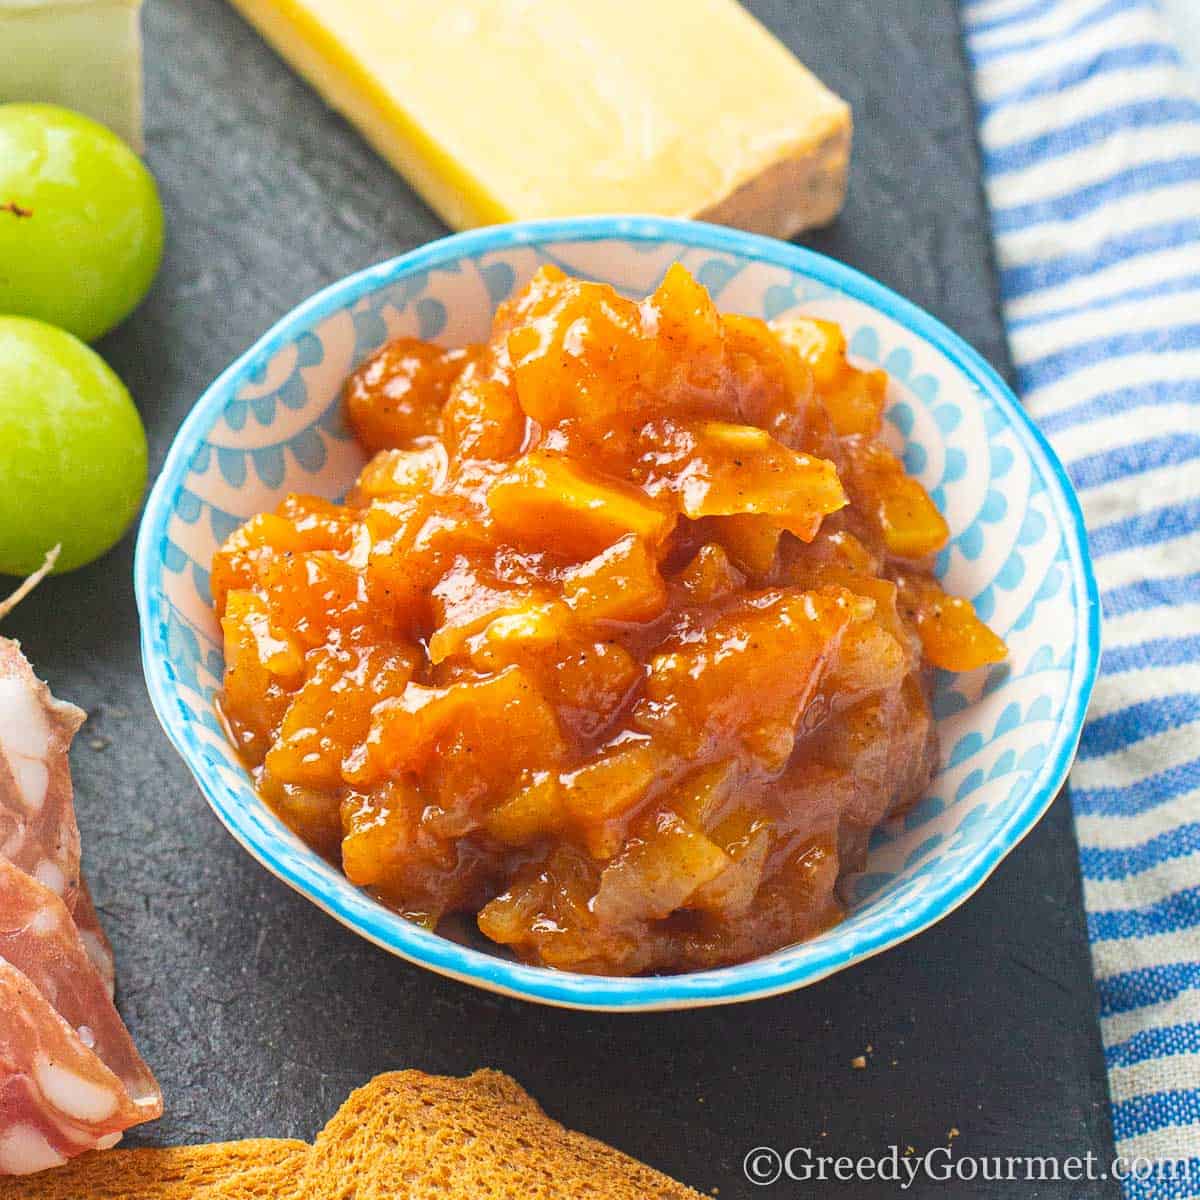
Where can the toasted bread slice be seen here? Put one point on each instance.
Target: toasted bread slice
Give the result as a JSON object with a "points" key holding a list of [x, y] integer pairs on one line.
{"points": [[426, 1137], [276, 1178], [254, 1169]]}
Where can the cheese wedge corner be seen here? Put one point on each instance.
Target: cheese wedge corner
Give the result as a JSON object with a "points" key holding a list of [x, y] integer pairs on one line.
{"points": [[83, 54]]}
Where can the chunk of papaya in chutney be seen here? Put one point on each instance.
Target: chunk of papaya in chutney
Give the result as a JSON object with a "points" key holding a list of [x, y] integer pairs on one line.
{"points": [[621, 641]]}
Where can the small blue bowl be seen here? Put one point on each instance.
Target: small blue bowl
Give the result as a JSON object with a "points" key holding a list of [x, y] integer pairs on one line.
{"points": [[272, 424]]}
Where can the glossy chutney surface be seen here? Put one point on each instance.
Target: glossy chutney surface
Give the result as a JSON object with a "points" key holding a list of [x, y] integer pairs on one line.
{"points": [[621, 640]]}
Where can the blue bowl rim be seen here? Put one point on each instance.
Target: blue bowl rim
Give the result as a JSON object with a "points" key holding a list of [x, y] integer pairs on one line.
{"points": [[732, 984]]}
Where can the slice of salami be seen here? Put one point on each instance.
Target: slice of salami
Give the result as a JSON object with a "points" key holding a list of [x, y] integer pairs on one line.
{"points": [[57, 1099], [39, 938], [95, 941], [37, 813]]}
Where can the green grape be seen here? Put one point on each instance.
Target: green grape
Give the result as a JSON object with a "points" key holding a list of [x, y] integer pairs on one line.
{"points": [[72, 449], [81, 228]]}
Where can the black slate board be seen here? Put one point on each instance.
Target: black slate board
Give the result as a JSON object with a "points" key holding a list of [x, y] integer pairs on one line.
{"points": [[258, 1013]]}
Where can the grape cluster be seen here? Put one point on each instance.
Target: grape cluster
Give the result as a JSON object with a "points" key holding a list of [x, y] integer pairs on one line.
{"points": [[81, 236]]}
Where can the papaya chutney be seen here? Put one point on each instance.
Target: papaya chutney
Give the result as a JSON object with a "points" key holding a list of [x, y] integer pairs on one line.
{"points": [[621, 641]]}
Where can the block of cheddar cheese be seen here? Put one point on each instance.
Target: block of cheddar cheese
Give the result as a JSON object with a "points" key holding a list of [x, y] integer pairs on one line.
{"points": [[82, 54], [497, 111]]}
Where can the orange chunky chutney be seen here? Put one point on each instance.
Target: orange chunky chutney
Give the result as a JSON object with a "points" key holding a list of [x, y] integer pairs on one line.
{"points": [[621, 642]]}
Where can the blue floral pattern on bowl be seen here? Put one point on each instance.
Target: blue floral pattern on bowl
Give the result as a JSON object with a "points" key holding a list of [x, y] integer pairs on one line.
{"points": [[272, 424]]}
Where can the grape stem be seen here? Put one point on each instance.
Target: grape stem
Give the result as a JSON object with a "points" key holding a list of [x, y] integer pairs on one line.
{"points": [[13, 207], [6, 606]]}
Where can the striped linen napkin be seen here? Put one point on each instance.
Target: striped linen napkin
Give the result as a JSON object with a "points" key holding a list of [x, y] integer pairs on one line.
{"points": [[1090, 136]]}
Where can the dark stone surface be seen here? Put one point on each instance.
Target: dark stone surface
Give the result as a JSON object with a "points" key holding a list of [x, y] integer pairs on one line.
{"points": [[258, 1013]]}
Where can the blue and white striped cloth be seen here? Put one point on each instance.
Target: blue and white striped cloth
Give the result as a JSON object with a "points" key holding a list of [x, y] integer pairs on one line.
{"points": [[1090, 135]]}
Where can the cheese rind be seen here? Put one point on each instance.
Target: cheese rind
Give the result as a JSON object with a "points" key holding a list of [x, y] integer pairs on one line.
{"points": [[85, 55], [500, 110]]}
